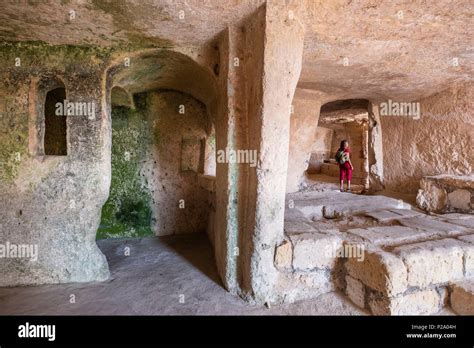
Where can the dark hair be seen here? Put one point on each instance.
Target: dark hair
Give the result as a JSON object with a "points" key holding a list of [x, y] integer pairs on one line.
{"points": [[341, 147]]}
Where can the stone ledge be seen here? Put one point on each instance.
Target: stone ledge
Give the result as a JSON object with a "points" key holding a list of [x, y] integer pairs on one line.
{"points": [[446, 193]]}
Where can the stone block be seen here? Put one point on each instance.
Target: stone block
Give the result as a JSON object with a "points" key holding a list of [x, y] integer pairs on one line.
{"points": [[305, 285], [432, 262], [315, 250], [468, 248], [421, 302], [446, 193], [283, 256], [460, 199], [380, 271]]}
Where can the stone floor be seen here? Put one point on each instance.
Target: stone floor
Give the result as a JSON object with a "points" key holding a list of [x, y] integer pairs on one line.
{"points": [[150, 282], [323, 182], [177, 274]]}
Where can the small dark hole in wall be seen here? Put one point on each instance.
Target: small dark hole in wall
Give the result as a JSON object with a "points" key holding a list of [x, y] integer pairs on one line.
{"points": [[216, 69], [55, 132]]}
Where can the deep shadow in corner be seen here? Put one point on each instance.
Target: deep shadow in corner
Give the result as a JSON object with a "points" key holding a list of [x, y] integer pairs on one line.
{"points": [[195, 248]]}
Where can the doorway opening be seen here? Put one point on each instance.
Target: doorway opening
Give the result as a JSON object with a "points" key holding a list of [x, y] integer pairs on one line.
{"points": [[340, 120]]}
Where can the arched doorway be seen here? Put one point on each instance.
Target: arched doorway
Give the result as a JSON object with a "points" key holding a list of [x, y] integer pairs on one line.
{"points": [[162, 151]]}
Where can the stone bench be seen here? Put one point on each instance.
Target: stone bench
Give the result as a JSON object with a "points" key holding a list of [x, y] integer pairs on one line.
{"points": [[446, 193], [410, 279]]}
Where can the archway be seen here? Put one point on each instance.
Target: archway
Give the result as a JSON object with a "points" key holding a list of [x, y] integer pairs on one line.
{"points": [[161, 105]]}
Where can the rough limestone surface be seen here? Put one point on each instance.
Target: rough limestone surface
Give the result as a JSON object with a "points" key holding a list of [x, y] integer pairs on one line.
{"points": [[315, 250], [380, 271], [284, 255], [468, 254], [436, 146], [52, 202], [460, 200], [391, 235], [330, 204], [392, 214], [298, 227], [304, 124], [432, 262], [355, 290], [419, 302], [304, 285], [469, 238], [446, 193], [426, 223], [245, 61], [465, 220], [462, 297], [383, 215]]}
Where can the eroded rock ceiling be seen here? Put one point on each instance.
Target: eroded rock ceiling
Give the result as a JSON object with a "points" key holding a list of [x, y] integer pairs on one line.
{"points": [[353, 49]]}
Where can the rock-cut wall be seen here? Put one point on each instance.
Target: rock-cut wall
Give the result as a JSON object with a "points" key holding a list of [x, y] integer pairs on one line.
{"points": [[439, 142]]}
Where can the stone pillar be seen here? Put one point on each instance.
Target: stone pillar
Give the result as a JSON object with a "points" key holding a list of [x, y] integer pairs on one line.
{"points": [[365, 166], [375, 150], [275, 39], [230, 136], [260, 63]]}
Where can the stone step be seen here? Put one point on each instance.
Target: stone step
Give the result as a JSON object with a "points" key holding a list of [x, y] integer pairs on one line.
{"points": [[462, 297], [391, 235]]}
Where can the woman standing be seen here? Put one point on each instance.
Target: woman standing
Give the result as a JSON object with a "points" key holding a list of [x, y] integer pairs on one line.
{"points": [[345, 165]]}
